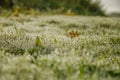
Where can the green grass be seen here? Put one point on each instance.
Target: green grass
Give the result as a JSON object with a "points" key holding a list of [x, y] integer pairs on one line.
{"points": [[59, 48]]}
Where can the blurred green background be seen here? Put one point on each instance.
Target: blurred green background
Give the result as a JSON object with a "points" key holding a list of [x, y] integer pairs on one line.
{"points": [[82, 7]]}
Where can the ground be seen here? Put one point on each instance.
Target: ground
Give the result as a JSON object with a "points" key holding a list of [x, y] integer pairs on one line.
{"points": [[59, 47]]}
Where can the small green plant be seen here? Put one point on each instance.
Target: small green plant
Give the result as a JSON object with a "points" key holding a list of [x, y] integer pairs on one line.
{"points": [[38, 42]]}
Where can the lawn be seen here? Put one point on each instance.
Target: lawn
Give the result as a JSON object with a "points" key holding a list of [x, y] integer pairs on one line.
{"points": [[59, 47]]}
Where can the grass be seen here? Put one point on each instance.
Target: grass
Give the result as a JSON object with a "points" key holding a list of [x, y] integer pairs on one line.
{"points": [[59, 48]]}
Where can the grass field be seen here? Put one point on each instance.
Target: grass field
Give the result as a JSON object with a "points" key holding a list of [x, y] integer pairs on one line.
{"points": [[59, 48]]}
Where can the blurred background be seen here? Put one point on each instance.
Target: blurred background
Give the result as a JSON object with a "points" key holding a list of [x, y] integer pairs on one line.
{"points": [[111, 6], [70, 7]]}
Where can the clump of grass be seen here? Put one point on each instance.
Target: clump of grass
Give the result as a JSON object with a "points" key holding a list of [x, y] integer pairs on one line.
{"points": [[15, 43], [39, 48], [69, 25], [114, 40], [53, 22], [105, 25], [4, 24]]}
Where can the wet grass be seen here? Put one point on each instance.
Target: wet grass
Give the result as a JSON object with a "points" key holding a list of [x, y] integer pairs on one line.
{"points": [[59, 48]]}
